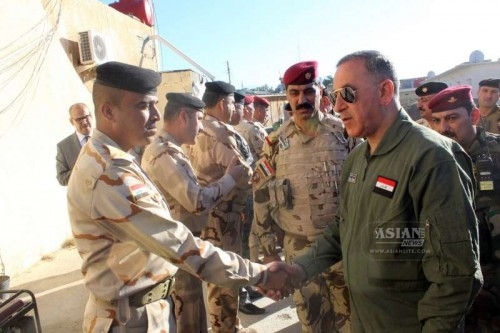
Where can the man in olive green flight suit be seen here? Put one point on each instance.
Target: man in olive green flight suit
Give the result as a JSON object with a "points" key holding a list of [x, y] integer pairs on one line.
{"points": [[405, 231]]}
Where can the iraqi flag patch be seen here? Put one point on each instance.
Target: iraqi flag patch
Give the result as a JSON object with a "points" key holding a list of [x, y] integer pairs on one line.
{"points": [[138, 191], [385, 186]]}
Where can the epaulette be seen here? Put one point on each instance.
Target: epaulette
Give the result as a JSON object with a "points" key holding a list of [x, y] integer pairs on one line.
{"points": [[286, 129], [218, 130], [272, 139], [118, 156], [171, 148], [334, 123]]}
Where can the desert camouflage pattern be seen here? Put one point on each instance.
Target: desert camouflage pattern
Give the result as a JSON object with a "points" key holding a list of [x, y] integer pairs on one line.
{"points": [[484, 316], [253, 135], [423, 122], [322, 303], [170, 169], [129, 241], [296, 185], [215, 146]]}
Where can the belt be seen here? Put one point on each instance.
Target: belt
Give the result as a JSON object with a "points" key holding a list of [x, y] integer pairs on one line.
{"points": [[159, 291]]}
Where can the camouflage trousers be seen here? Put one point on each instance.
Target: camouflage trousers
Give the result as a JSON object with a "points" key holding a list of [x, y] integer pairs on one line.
{"points": [[323, 303], [250, 241], [224, 231], [190, 312]]}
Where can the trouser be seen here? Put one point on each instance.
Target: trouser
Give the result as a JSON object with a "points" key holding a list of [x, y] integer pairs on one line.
{"points": [[322, 304], [250, 241], [190, 312], [223, 302], [153, 317]]}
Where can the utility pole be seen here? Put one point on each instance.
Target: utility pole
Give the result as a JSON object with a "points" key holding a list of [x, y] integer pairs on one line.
{"points": [[228, 72]]}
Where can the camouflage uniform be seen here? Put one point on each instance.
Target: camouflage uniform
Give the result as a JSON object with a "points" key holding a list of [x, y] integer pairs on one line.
{"points": [[215, 146], [170, 169], [485, 312], [255, 134], [423, 122], [296, 184], [491, 123], [129, 243]]}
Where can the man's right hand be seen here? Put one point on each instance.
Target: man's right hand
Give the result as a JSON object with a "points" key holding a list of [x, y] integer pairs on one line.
{"points": [[235, 169]]}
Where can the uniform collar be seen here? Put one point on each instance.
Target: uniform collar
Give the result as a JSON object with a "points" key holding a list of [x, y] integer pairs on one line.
{"points": [[395, 134]]}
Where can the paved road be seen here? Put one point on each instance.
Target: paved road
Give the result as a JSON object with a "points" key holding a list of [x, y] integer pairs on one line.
{"points": [[57, 283]]}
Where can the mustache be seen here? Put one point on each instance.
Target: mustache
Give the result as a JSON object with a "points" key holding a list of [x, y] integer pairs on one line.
{"points": [[305, 105], [448, 134]]}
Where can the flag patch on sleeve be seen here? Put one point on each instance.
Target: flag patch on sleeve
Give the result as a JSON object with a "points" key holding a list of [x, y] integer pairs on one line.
{"points": [[385, 186], [139, 191]]}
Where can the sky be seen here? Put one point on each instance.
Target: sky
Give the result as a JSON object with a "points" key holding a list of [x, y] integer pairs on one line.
{"points": [[259, 39]]}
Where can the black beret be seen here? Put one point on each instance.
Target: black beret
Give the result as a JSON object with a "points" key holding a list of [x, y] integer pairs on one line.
{"points": [[220, 87], [128, 77], [239, 98], [186, 100], [494, 83], [429, 88]]}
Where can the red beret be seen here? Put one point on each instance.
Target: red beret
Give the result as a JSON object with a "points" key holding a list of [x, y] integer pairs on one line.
{"points": [[451, 98], [248, 100], [260, 100], [301, 73]]}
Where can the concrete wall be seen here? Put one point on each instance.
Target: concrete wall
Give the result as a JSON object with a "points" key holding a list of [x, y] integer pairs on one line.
{"points": [[40, 77]]}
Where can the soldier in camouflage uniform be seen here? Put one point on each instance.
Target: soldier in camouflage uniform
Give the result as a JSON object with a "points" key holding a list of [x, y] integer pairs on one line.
{"points": [[262, 111], [455, 116], [253, 132], [170, 169], [425, 92], [487, 97], [130, 244], [215, 146], [296, 184]]}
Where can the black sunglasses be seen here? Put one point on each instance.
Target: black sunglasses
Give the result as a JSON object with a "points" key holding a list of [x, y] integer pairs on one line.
{"points": [[348, 94]]}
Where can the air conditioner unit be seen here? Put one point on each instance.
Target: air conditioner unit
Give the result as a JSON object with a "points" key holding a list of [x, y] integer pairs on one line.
{"points": [[92, 48]]}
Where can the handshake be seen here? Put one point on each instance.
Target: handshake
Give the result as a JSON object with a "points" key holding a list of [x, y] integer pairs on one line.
{"points": [[282, 279]]}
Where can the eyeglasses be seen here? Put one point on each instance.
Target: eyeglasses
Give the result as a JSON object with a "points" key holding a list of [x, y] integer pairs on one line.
{"points": [[82, 119], [348, 94]]}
